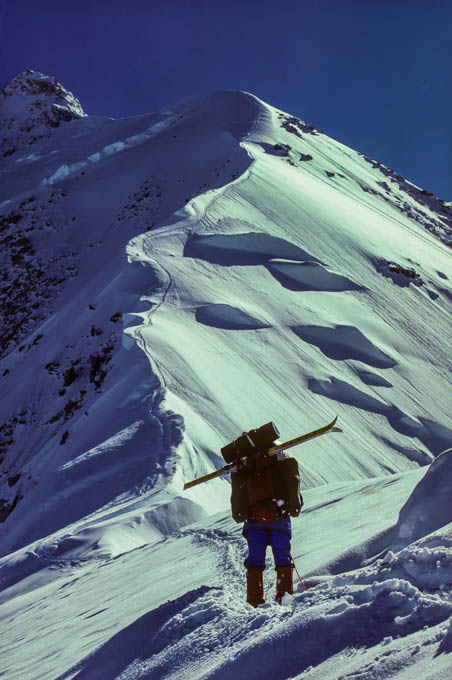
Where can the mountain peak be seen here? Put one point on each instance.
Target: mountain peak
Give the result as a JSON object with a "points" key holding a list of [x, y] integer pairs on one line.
{"points": [[33, 87], [31, 104]]}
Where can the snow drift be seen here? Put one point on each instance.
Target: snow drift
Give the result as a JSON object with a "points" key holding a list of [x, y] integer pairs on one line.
{"points": [[170, 280]]}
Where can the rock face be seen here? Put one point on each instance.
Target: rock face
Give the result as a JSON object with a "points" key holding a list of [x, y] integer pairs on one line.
{"points": [[30, 106]]}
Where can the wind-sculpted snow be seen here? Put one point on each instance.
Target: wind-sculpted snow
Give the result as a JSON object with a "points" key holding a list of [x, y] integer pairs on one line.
{"points": [[138, 459], [309, 276], [430, 505], [95, 387], [228, 317], [242, 249], [233, 112], [170, 281], [370, 378], [115, 534], [345, 342], [425, 518], [344, 392]]}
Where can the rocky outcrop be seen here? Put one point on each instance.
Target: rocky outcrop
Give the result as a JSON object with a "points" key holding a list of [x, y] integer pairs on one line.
{"points": [[31, 105]]}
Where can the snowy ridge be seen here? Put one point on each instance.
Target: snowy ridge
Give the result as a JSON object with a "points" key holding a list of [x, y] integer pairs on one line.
{"points": [[169, 281], [64, 171]]}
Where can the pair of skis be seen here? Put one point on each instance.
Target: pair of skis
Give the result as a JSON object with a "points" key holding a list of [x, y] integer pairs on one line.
{"points": [[237, 464]]}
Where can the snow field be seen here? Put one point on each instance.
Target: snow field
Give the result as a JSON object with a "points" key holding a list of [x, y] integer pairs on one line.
{"points": [[394, 611], [231, 266]]}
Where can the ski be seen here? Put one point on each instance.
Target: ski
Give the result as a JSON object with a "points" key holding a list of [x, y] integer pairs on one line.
{"points": [[234, 467]]}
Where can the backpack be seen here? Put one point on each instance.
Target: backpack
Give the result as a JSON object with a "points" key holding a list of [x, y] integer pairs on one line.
{"points": [[280, 481]]}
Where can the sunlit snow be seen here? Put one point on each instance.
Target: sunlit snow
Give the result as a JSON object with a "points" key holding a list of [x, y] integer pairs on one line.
{"points": [[169, 281]]}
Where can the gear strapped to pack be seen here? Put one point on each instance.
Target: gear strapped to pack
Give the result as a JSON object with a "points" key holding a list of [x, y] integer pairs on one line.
{"points": [[251, 443]]}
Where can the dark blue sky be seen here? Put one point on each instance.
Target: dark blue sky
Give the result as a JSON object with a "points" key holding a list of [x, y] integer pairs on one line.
{"points": [[374, 74]]}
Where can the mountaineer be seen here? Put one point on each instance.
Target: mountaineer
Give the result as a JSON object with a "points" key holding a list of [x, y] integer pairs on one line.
{"points": [[265, 495]]}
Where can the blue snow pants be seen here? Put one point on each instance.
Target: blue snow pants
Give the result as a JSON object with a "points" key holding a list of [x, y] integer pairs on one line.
{"points": [[259, 535]]}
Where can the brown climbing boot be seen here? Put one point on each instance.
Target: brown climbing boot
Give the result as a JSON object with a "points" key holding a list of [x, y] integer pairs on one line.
{"points": [[255, 587], [284, 583]]}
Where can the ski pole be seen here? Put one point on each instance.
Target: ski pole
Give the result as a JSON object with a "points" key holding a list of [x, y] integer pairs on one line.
{"points": [[295, 567]]}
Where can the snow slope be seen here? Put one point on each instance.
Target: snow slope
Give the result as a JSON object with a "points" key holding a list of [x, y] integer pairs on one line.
{"points": [[170, 280]]}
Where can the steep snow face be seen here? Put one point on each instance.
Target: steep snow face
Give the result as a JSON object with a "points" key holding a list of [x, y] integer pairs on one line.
{"points": [[429, 504], [67, 215], [169, 281], [285, 286], [271, 272], [30, 105]]}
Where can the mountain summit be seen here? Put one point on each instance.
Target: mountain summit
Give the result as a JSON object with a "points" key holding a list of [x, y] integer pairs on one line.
{"points": [[174, 279], [30, 105]]}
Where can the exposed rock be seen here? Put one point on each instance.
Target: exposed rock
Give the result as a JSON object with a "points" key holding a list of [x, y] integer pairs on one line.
{"points": [[30, 106]]}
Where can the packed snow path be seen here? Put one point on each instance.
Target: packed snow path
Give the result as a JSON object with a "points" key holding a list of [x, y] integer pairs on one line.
{"points": [[176, 608]]}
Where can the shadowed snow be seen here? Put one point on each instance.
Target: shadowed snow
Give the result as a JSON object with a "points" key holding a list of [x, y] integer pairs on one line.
{"points": [[309, 276], [228, 317], [430, 505], [370, 378], [132, 249], [345, 342], [242, 249]]}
